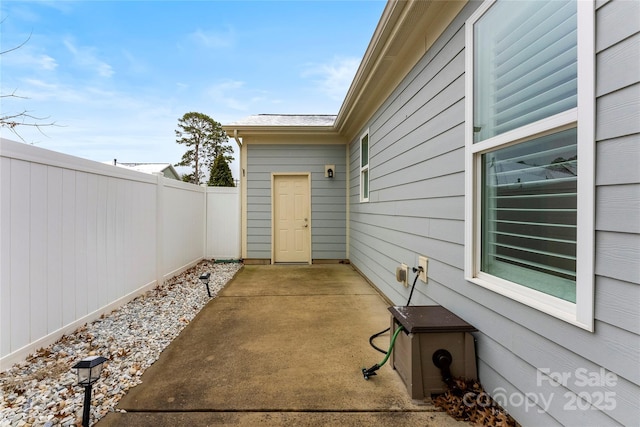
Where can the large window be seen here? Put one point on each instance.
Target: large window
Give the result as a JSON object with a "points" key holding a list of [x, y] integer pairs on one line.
{"points": [[364, 167], [529, 151]]}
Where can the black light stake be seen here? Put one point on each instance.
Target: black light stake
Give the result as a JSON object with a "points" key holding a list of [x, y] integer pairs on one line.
{"points": [[205, 279], [88, 370]]}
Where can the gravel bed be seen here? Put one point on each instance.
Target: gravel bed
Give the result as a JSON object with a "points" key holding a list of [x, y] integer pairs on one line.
{"points": [[42, 391]]}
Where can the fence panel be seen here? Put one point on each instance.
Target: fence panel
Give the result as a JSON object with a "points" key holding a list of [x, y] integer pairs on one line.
{"points": [[80, 238], [184, 225], [223, 223]]}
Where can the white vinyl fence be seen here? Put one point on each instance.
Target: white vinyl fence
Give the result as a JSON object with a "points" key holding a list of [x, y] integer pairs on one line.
{"points": [[80, 238]]}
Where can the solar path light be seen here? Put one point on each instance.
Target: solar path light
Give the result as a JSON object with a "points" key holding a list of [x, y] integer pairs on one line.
{"points": [[88, 370], [205, 279]]}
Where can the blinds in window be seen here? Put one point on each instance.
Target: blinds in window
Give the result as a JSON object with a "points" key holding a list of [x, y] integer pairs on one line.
{"points": [[529, 213], [525, 65]]}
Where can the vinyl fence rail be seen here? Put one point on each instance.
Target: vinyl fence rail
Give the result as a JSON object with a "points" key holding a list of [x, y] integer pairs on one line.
{"points": [[80, 238]]}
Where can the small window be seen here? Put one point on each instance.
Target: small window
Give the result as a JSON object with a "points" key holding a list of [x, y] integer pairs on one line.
{"points": [[364, 167], [529, 194]]}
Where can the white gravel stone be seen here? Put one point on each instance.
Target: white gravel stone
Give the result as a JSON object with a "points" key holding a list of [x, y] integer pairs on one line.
{"points": [[42, 391]]}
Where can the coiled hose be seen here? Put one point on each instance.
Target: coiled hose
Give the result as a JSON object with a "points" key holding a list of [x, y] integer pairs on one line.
{"points": [[372, 370]]}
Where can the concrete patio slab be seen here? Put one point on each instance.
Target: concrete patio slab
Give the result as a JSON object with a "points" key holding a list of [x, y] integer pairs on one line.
{"points": [[280, 345]]}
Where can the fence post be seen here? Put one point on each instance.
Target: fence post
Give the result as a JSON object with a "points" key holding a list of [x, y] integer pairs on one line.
{"points": [[159, 228], [205, 248]]}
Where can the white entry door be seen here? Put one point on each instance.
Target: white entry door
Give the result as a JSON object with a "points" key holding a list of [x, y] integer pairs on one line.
{"points": [[292, 224]]}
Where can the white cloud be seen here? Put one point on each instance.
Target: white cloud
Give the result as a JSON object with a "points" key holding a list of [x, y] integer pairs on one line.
{"points": [[104, 70], [40, 84], [230, 93], [47, 62], [225, 86], [40, 90], [136, 65], [26, 56], [333, 78], [99, 124], [213, 39], [85, 57]]}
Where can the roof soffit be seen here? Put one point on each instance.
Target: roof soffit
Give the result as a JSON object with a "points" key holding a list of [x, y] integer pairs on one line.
{"points": [[244, 130], [406, 31], [285, 126]]}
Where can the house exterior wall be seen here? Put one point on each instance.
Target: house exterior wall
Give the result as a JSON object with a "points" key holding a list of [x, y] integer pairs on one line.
{"points": [[328, 196], [416, 207]]}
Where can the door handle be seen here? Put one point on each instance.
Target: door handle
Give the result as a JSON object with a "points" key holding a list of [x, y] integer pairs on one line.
{"points": [[306, 225]]}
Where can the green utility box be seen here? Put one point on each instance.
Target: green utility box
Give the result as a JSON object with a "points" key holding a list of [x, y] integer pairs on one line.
{"points": [[427, 330]]}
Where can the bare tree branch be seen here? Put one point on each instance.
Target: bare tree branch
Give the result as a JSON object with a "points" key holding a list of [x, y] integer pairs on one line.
{"points": [[19, 46], [12, 121], [13, 95]]}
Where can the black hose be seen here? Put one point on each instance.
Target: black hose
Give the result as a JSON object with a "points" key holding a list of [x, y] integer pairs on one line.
{"points": [[376, 335], [413, 286], [367, 373]]}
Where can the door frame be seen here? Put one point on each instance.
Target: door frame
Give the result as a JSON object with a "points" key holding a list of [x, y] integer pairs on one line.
{"points": [[273, 222]]}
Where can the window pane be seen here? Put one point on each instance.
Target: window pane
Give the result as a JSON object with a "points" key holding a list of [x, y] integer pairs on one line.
{"points": [[365, 184], [364, 151], [529, 203], [525, 64]]}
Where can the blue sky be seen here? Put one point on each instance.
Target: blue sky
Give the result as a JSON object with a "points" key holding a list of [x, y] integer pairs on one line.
{"points": [[115, 76]]}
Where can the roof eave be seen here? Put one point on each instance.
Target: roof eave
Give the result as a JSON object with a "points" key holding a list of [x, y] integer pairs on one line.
{"points": [[172, 169], [247, 130], [405, 32]]}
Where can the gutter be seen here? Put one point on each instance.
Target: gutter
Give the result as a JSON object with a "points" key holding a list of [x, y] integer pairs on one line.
{"points": [[263, 130], [243, 191], [237, 138]]}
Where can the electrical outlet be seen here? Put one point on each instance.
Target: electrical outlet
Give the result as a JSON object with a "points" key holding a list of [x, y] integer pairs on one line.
{"points": [[423, 262]]}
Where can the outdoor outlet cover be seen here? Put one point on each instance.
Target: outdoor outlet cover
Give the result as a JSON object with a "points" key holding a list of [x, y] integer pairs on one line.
{"points": [[423, 262], [402, 273]]}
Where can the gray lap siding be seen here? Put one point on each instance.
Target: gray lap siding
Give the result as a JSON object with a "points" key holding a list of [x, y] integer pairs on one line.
{"points": [[416, 207], [328, 196]]}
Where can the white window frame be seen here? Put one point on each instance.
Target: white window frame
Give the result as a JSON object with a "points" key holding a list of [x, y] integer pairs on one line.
{"points": [[583, 117], [364, 170]]}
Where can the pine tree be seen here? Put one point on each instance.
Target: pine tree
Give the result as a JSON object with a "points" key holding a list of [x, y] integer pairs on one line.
{"points": [[205, 139], [220, 173]]}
